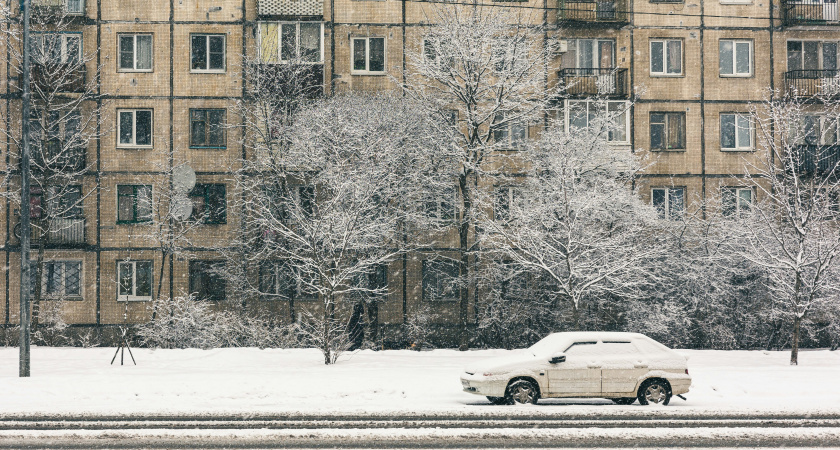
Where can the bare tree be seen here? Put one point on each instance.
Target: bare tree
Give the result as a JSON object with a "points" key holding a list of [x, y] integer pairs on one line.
{"points": [[487, 69], [791, 230], [328, 214], [574, 220], [65, 119]]}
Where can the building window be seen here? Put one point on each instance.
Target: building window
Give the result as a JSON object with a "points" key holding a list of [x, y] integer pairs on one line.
{"points": [[736, 201], [135, 127], [135, 280], [812, 55], [65, 202], [208, 203], [371, 285], [615, 123], [134, 203], [589, 54], [442, 209], [432, 54], [669, 202], [56, 48], [207, 128], [814, 130], [57, 142], [368, 55], [735, 58], [505, 198], [291, 42], [511, 134], [736, 132], [74, 6], [440, 280], [666, 57], [206, 283], [61, 279], [207, 53], [135, 52], [667, 131]]}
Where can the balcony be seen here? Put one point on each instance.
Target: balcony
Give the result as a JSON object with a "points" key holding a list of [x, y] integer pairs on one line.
{"points": [[813, 83], [55, 10], [809, 12], [288, 79], [610, 83], [817, 159], [290, 8], [589, 12], [56, 232], [54, 158], [53, 78]]}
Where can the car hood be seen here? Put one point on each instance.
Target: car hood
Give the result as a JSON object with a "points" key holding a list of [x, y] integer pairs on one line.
{"points": [[502, 363]]}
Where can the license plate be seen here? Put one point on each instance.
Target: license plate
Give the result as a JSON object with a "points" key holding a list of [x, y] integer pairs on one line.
{"points": [[466, 384]]}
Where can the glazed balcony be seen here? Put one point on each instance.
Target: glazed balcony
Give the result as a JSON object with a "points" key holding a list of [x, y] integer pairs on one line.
{"points": [[809, 12], [813, 83], [611, 83], [51, 78], [592, 12]]}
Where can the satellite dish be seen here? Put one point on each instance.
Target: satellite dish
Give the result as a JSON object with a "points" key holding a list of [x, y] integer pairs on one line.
{"points": [[181, 207], [183, 178]]}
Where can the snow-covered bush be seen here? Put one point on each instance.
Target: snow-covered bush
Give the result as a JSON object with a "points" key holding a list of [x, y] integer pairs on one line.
{"points": [[183, 322]]}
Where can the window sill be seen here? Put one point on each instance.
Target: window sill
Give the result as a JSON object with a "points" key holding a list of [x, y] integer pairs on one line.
{"points": [[197, 147], [376, 74], [135, 147], [667, 75], [736, 76], [135, 71], [132, 298], [737, 150], [211, 72], [668, 150]]}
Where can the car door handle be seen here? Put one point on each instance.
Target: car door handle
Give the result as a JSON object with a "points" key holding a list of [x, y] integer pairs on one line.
{"points": [[594, 367], [641, 366]]}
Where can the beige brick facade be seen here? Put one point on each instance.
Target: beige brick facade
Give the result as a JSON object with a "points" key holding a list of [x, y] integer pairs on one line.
{"points": [[171, 89]]}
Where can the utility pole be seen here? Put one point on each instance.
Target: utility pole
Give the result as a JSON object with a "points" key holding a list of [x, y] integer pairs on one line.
{"points": [[26, 98]]}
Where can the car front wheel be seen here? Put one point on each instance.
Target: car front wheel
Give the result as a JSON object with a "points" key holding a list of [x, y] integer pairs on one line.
{"points": [[654, 391], [522, 392]]}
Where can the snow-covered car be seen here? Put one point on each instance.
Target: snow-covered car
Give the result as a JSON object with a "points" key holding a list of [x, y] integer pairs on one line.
{"points": [[622, 367]]}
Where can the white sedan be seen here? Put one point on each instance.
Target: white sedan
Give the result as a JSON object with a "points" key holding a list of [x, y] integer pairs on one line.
{"points": [[620, 366]]}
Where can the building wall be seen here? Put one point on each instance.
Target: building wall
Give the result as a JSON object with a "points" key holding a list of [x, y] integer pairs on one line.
{"points": [[171, 90]]}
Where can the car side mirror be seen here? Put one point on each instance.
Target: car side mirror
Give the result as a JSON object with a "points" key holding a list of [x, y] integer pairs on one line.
{"points": [[557, 358]]}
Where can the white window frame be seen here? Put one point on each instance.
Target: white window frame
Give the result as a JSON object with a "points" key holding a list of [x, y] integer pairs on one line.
{"points": [[739, 210], [279, 38], [735, 73], [736, 2], [133, 297], [63, 294], [594, 53], [507, 134], [667, 213], [134, 144], [134, 68], [738, 132], [80, 11], [626, 112], [207, 37], [512, 195], [367, 70], [65, 57], [665, 62]]}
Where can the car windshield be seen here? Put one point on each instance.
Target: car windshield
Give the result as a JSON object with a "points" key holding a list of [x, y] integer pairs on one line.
{"points": [[547, 345]]}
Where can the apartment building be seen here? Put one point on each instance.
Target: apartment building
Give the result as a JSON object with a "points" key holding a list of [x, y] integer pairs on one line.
{"points": [[170, 71]]}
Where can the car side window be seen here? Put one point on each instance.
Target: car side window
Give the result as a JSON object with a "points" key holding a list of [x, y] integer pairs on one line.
{"points": [[582, 349], [620, 348]]}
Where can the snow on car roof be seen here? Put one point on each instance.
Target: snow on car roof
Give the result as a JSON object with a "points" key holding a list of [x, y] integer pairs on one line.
{"points": [[554, 341]]}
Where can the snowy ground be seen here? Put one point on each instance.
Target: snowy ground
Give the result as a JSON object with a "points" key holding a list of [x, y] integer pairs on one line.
{"points": [[253, 381]]}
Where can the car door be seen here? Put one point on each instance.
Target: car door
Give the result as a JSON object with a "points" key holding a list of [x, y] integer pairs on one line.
{"points": [[580, 374], [623, 366]]}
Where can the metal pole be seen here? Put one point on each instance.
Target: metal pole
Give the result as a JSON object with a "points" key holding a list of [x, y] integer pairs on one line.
{"points": [[26, 98]]}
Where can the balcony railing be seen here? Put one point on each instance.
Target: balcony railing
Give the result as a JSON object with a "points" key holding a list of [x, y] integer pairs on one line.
{"points": [[813, 83], [54, 158], [817, 159], [590, 82], [70, 232], [609, 11], [285, 8], [809, 12]]}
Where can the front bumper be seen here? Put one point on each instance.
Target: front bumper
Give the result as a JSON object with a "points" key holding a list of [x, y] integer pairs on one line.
{"points": [[481, 385]]}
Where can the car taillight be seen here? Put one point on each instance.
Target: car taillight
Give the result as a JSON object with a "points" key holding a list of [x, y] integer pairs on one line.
{"points": [[686, 371]]}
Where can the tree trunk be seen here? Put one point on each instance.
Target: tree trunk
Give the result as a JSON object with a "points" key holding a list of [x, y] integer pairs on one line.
{"points": [[794, 343], [373, 321], [575, 317], [463, 235]]}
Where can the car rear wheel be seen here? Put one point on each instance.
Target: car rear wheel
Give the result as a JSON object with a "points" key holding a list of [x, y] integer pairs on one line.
{"points": [[654, 391], [624, 400], [522, 392], [497, 400]]}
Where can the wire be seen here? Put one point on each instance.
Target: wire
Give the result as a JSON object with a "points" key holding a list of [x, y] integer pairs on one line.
{"points": [[541, 8]]}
